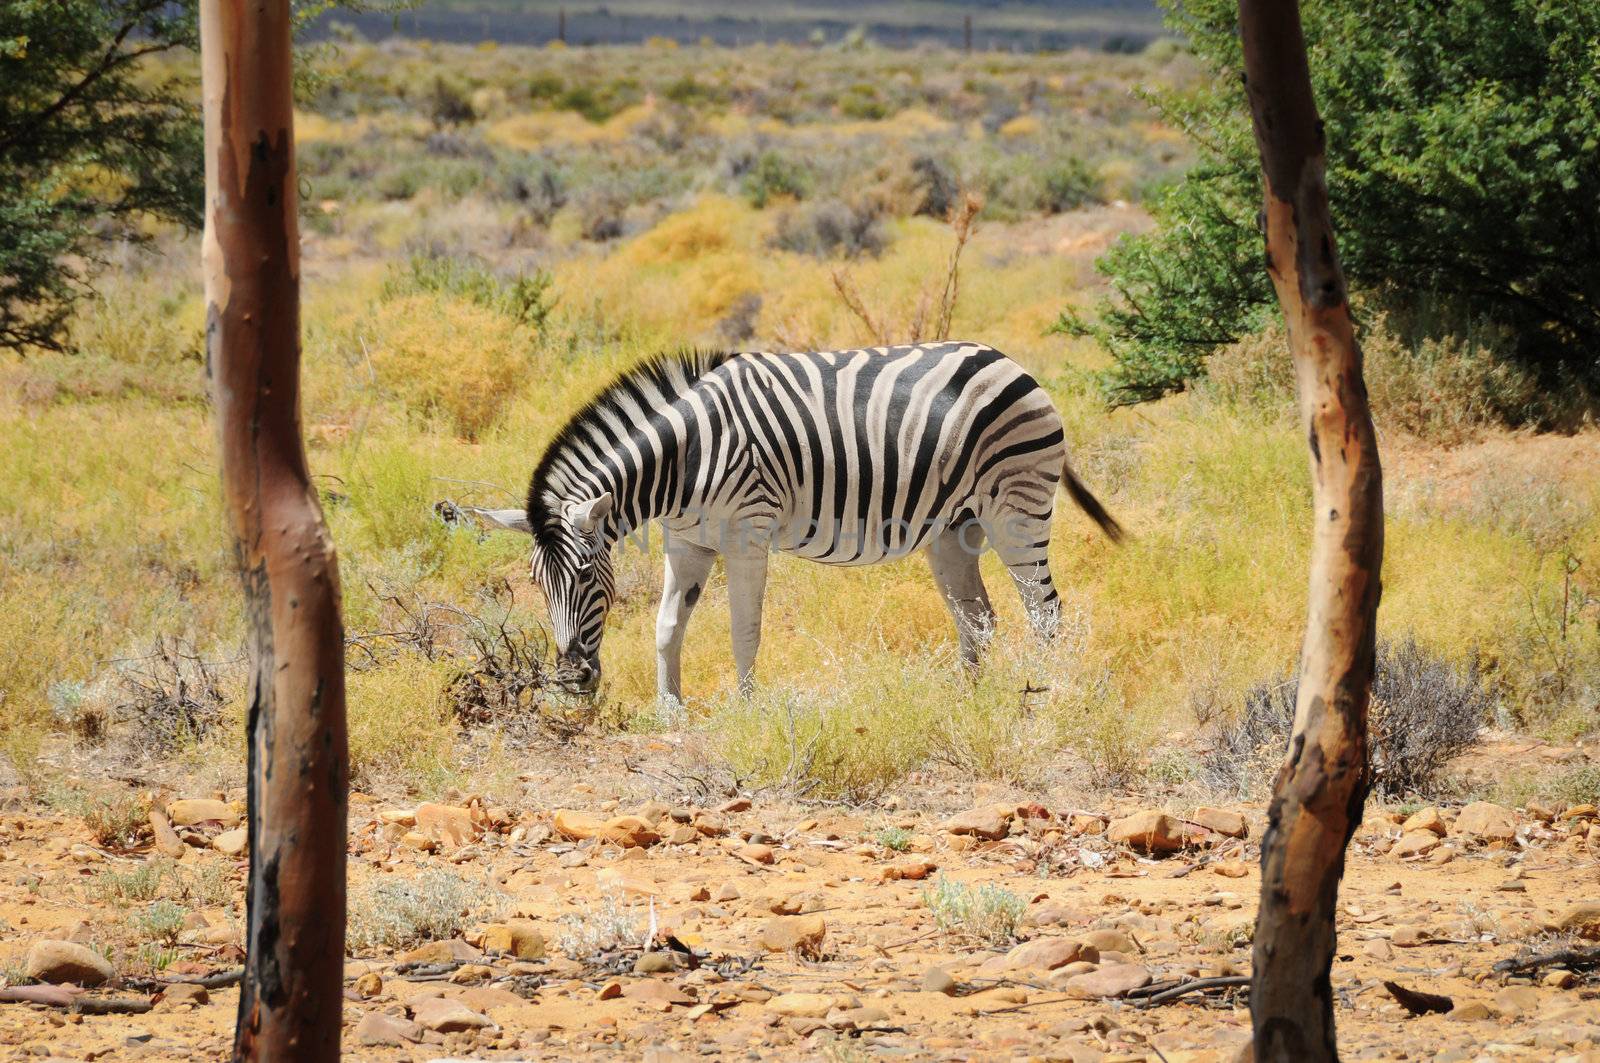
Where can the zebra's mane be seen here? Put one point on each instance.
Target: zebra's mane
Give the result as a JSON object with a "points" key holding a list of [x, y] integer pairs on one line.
{"points": [[670, 374]]}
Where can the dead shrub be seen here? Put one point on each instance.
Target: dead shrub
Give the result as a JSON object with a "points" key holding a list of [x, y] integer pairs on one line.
{"points": [[169, 698], [830, 228], [1425, 712]]}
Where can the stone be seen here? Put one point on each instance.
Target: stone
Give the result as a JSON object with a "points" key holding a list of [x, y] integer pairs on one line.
{"points": [[939, 980], [1110, 941], [1517, 1000], [1230, 868], [185, 993], [989, 822], [166, 839], [1379, 949], [728, 891], [486, 998], [1228, 824], [1150, 830], [630, 832], [451, 950], [803, 934], [192, 811], [654, 963], [802, 1005], [1470, 1011], [1116, 980], [756, 853], [684, 835], [1428, 819], [577, 826], [446, 1016], [1048, 953], [908, 871], [737, 804], [449, 825], [1582, 918], [231, 842], [368, 985], [1486, 821], [857, 1018], [1415, 843], [378, 1029], [67, 961], [1408, 937], [520, 938], [657, 992]]}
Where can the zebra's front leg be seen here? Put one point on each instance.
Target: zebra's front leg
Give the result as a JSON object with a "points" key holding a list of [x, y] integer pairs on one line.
{"points": [[687, 569], [953, 555], [747, 587]]}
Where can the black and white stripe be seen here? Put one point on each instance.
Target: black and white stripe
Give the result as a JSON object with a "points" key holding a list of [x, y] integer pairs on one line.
{"points": [[844, 457]]}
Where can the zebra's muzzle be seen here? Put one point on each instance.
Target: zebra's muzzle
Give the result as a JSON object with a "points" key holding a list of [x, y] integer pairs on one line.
{"points": [[578, 675]]}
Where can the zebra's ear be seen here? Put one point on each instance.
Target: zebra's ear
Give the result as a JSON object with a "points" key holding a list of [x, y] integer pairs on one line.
{"points": [[586, 516]]}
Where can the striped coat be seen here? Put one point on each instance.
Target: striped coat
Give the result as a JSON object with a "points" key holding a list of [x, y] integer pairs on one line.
{"points": [[843, 457]]}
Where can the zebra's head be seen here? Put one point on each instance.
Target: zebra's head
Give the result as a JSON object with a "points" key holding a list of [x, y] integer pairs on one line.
{"points": [[572, 564]]}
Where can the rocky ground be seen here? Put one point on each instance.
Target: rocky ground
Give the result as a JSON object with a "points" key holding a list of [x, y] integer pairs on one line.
{"points": [[631, 916]]}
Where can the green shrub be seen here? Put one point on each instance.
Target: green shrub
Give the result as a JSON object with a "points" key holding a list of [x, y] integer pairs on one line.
{"points": [[988, 913], [1463, 163], [774, 176]]}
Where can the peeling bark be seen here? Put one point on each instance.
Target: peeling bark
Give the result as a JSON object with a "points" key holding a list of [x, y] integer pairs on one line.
{"points": [[291, 1001], [1322, 786]]}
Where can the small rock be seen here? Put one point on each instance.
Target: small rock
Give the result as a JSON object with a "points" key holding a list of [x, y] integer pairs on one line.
{"points": [[795, 933], [1117, 980], [377, 1028], [185, 993], [1415, 843], [857, 1018], [449, 825], [939, 980], [756, 853], [1230, 868], [231, 842], [1582, 919], [1488, 821], [166, 839], [657, 992], [189, 812], [1470, 1011], [727, 892], [1110, 941], [446, 1016], [1049, 953], [1151, 831], [452, 950], [990, 822], [909, 871], [654, 963], [1559, 979], [1408, 937], [1428, 819], [1517, 1000], [67, 961], [738, 804], [802, 1005], [684, 835], [1379, 949], [1228, 824], [368, 985], [517, 937]]}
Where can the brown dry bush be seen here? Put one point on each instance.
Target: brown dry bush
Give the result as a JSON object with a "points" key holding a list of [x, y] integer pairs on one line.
{"points": [[1425, 712]]}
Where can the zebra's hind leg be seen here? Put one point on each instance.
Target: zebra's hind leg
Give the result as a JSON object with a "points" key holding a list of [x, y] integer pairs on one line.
{"points": [[688, 566], [1022, 541], [953, 556], [747, 587]]}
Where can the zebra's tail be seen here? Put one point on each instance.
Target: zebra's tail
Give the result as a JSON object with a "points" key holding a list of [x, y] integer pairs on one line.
{"points": [[1090, 504]]}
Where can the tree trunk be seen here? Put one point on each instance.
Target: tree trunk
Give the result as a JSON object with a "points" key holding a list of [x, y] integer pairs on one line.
{"points": [[291, 1002], [1319, 793]]}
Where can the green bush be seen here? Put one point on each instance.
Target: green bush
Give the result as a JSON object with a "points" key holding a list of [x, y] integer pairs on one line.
{"points": [[1463, 171], [773, 176]]}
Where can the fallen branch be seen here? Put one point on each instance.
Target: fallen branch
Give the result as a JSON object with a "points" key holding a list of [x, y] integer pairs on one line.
{"points": [[55, 996], [1573, 959], [220, 980], [1231, 981]]}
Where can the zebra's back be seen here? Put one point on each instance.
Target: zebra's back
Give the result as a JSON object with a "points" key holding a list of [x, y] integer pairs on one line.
{"points": [[860, 455]]}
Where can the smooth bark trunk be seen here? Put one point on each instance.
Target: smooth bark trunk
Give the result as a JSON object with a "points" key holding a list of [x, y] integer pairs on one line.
{"points": [[291, 1002], [1322, 786]]}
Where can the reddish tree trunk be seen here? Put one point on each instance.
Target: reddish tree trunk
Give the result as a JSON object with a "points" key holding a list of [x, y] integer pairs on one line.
{"points": [[291, 1003], [1318, 797]]}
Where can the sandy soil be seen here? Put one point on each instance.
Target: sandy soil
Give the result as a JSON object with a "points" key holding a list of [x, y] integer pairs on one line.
{"points": [[875, 985]]}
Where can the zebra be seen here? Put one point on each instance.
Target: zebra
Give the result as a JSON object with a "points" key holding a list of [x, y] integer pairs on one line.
{"points": [[846, 457]]}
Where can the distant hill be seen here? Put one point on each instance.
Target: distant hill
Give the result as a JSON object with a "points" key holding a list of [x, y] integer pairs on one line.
{"points": [[1010, 25]]}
